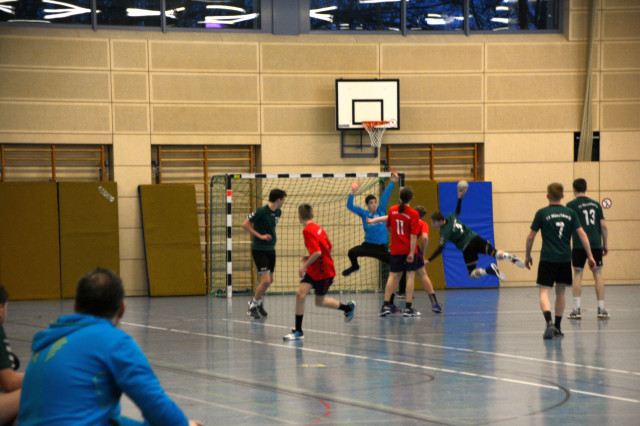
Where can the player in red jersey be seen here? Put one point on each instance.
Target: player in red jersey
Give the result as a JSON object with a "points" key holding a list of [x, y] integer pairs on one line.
{"points": [[316, 272]]}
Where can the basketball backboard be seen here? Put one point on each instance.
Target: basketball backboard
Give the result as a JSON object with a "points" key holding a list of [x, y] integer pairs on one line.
{"points": [[366, 100]]}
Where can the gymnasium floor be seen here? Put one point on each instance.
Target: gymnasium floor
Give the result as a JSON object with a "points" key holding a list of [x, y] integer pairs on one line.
{"points": [[483, 361]]}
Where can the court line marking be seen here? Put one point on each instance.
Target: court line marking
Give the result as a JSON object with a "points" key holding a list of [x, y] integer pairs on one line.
{"points": [[381, 360]]}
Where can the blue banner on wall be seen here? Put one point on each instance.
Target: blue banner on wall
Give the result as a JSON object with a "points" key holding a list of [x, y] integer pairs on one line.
{"points": [[477, 214]]}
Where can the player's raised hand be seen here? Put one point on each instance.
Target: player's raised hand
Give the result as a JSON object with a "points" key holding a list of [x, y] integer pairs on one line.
{"points": [[394, 175], [354, 186]]}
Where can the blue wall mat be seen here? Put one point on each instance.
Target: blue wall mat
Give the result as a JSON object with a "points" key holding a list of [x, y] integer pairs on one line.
{"points": [[477, 214]]}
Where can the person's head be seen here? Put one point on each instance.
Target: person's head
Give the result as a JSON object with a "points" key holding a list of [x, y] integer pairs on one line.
{"points": [[579, 186], [4, 298], [421, 211], [305, 212], [555, 192], [406, 195], [100, 293], [437, 220], [277, 196], [372, 203]]}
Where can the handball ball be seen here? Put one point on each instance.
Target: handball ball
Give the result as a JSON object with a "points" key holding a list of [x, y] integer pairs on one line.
{"points": [[463, 185]]}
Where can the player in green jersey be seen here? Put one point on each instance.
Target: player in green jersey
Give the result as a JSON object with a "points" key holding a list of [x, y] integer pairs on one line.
{"points": [[263, 251], [593, 223], [556, 224], [470, 243]]}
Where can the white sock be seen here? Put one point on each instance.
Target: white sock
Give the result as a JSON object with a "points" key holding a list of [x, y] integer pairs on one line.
{"points": [[576, 303], [254, 302], [506, 256], [601, 304], [477, 273]]}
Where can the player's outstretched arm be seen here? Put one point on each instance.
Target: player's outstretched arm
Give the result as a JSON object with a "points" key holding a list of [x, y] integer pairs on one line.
{"points": [[377, 219]]}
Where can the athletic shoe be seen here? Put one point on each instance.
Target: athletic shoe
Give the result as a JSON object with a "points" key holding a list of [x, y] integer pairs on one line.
{"points": [[575, 314], [386, 310], [252, 311], [394, 309], [348, 316], [350, 270], [436, 308], [549, 331], [516, 261], [499, 274], [410, 312], [603, 314], [262, 311], [294, 335], [557, 332]]}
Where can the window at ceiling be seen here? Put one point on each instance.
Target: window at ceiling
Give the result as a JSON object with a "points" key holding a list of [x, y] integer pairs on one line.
{"points": [[243, 14], [46, 11], [364, 15]]}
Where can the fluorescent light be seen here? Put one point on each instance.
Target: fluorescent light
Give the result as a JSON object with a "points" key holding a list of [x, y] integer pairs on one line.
{"points": [[317, 13], [436, 21], [234, 8], [502, 8], [500, 20], [228, 20], [71, 10], [135, 12]]}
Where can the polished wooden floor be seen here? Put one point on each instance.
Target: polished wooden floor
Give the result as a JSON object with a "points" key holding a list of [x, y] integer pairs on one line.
{"points": [[483, 361]]}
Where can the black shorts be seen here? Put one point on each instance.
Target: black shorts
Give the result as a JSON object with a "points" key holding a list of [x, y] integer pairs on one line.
{"points": [[398, 263], [321, 287], [579, 257], [549, 273], [476, 246], [265, 261]]}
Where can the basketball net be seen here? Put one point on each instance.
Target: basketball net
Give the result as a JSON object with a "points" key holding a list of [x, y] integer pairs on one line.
{"points": [[376, 129]]}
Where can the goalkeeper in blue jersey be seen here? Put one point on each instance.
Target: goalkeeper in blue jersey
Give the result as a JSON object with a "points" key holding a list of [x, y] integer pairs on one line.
{"points": [[375, 235]]}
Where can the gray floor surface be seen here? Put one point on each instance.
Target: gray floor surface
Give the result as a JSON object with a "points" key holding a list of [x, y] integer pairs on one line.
{"points": [[482, 361]]}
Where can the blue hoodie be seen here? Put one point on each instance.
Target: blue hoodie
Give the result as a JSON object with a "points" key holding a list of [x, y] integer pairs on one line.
{"points": [[79, 369], [374, 233]]}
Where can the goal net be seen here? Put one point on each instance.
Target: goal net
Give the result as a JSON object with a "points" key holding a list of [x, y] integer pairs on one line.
{"points": [[235, 196]]}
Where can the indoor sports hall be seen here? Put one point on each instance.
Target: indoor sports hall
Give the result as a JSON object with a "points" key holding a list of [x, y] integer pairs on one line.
{"points": [[141, 138]]}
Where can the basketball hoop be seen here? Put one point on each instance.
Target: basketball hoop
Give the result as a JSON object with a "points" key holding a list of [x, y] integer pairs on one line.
{"points": [[376, 129]]}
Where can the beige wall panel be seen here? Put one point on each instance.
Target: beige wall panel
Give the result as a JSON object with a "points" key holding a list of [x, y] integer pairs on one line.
{"points": [[623, 55], [58, 117], [299, 119], [54, 52], [131, 245], [131, 150], [129, 118], [430, 88], [317, 58], [619, 146], [511, 236], [302, 152], [194, 56], [538, 87], [392, 138], [619, 175], [66, 138], [623, 235], [588, 170], [536, 117], [579, 25], [24, 84], [583, 4], [622, 4], [320, 168], [516, 206], [306, 89], [129, 55], [129, 212], [129, 177], [620, 116], [205, 139], [528, 178], [621, 24], [440, 118], [209, 88], [530, 57], [621, 267], [624, 206], [528, 147], [620, 85], [412, 58], [130, 87], [194, 119], [134, 277]]}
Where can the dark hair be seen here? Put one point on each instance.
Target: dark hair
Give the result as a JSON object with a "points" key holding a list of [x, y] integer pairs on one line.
{"points": [[421, 211], [406, 195], [580, 185], [99, 293], [437, 217], [4, 296], [305, 211], [369, 198], [555, 191], [276, 194]]}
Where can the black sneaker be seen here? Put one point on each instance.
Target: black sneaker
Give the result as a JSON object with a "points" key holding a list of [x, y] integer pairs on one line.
{"points": [[557, 332], [549, 332], [350, 270], [262, 311], [252, 311]]}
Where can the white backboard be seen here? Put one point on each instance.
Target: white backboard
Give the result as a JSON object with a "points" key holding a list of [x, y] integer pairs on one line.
{"points": [[366, 100]]}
